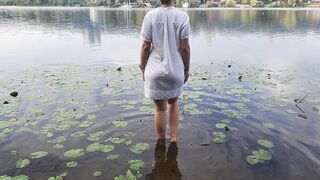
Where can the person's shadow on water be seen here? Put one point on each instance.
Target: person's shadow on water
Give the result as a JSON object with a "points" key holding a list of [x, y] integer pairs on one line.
{"points": [[166, 165]]}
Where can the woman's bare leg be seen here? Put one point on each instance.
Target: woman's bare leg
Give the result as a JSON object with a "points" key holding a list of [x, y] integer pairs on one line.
{"points": [[160, 118], [173, 118]]}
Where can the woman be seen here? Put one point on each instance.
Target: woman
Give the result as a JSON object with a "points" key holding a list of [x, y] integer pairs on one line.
{"points": [[164, 62]]}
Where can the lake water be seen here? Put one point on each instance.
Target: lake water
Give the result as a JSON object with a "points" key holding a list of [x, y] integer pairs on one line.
{"points": [[250, 110]]}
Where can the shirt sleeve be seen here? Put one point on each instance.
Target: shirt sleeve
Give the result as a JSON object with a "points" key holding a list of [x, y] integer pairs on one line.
{"points": [[185, 32], [146, 29]]}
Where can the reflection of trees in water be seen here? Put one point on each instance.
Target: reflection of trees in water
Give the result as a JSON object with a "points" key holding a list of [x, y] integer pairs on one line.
{"points": [[93, 22], [166, 165]]}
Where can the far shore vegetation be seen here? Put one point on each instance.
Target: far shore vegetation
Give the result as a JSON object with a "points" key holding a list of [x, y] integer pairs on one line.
{"points": [[156, 3]]}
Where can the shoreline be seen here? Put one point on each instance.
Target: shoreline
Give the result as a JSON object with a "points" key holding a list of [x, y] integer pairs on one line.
{"points": [[146, 8]]}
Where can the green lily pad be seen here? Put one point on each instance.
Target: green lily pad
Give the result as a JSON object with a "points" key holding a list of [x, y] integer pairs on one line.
{"points": [[5, 177], [139, 148], [39, 154], [291, 111], [74, 153], [130, 134], [49, 134], [136, 164], [259, 156], [91, 116], [219, 140], [99, 147], [20, 177], [219, 134], [106, 148], [58, 177], [128, 142], [112, 157], [62, 115], [21, 163], [78, 134], [253, 160], [265, 143], [86, 124], [221, 125], [268, 125], [128, 176], [59, 139], [93, 147], [97, 173], [37, 112], [316, 108], [58, 146], [72, 164], [120, 123], [95, 136], [225, 121], [117, 140]]}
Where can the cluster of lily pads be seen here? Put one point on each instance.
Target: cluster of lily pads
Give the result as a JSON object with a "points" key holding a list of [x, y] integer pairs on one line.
{"points": [[56, 103]]}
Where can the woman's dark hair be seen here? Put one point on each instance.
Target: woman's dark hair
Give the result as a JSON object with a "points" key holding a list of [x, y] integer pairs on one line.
{"points": [[165, 1]]}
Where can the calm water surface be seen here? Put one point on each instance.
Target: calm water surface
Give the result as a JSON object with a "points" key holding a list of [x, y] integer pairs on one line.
{"points": [[249, 70]]}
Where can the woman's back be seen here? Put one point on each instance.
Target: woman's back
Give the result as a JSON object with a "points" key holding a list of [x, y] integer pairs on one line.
{"points": [[164, 27]]}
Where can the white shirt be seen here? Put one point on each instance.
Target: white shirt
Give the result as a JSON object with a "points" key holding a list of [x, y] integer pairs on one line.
{"points": [[164, 27]]}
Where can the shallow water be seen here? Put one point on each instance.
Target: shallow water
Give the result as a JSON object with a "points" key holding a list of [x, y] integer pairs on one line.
{"points": [[65, 71]]}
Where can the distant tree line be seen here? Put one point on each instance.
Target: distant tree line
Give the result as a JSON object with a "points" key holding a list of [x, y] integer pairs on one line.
{"points": [[108, 3], [142, 3], [257, 3]]}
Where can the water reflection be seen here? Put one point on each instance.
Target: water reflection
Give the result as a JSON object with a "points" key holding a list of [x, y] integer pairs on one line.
{"points": [[93, 22], [166, 165], [95, 35]]}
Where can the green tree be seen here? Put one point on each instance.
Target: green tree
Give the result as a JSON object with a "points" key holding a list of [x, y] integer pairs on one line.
{"points": [[230, 3], [254, 3], [245, 1]]}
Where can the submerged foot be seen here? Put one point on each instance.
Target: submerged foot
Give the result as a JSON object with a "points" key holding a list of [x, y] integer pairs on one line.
{"points": [[173, 139]]}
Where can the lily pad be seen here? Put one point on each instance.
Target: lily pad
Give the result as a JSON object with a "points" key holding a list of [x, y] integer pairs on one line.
{"points": [[117, 140], [37, 112], [316, 108], [97, 173], [99, 147], [20, 177], [106, 148], [268, 125], [225, 121], [218, 140], [58, 177], [120, 123], [72, 164], [74, 153], [91, 116], [78, 134], [259, 156], [136, 164], [112, 157], [21, 163], [128, 176], [219, 134], [58, 146], [220, 125], [39, 154], [93, 147], [85, 124], [139, 148], [265, 143], [95, 136], [291, 111]]}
